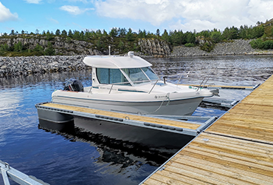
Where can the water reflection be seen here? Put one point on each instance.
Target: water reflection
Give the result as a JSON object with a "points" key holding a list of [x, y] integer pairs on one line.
{"points": [[118, 153]]}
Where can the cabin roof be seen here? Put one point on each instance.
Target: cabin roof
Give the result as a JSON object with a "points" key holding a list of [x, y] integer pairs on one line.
{"points": [[112, 61]]}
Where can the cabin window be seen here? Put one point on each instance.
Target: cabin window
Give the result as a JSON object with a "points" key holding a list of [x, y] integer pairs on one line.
{"points": [[136, 75], [150, 73], [111, 76]]}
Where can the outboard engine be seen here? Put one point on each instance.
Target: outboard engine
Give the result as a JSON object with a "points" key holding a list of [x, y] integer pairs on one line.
{"points": [[73, 85]]}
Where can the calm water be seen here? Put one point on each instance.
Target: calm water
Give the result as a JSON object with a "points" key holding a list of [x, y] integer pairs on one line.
{"points": [[77, 157]]}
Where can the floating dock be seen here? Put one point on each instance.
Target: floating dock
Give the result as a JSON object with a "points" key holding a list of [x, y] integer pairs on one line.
{"points": [[236, 149], [155, 123]]}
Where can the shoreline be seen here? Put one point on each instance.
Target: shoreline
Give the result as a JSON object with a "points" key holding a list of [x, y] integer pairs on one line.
{"points": [[17, 66]]}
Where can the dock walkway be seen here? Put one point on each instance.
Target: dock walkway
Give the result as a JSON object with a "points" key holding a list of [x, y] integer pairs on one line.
{"points": [[168, 125], [236, 149]]}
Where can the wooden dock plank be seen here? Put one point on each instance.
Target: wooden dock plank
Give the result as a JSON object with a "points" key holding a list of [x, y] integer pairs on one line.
{"points": [[167, 180], [223, 160], [181, 178], [251, 118], [124, 116], [229, 175], [236, 149], [193, 174], [151, 181]]}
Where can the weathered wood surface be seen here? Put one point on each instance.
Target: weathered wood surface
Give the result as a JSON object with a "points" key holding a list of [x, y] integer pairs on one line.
{"points": [[160, 121], [252, 118], [236, 149], [213, 159]]}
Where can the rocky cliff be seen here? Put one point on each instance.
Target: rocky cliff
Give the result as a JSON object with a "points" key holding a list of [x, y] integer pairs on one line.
{"points": [[61, 45], [154, 47], [64, 46]]}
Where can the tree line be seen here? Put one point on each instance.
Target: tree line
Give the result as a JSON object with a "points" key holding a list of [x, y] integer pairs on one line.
{"points": [[124, 39]]}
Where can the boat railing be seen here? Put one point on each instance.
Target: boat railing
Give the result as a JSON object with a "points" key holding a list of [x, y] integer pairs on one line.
{"points": [[178, 76]]}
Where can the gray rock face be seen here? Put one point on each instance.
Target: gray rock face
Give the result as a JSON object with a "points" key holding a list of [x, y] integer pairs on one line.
{"points": [[14, 66], [235, 47], [154, 47], [60, 44]]}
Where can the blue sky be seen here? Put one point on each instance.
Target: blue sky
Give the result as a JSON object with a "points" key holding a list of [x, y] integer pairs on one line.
{"points": [[186, 15]]}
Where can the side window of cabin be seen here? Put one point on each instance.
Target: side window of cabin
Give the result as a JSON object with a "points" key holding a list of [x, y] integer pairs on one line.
{"points": [[111, 76]]}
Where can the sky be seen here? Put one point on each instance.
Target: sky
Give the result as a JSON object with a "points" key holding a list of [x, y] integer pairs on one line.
{"points": [[150, 15]]}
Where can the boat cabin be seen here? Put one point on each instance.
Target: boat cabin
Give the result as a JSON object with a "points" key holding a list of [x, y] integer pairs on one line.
{"points": [[120, 70]]}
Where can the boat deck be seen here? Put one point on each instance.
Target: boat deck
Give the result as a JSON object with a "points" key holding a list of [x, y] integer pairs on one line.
{"points": [[236, 149], [170, 125]]}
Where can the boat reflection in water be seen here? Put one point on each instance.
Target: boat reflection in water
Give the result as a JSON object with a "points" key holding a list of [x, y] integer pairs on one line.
{"points": [[115, 150]]}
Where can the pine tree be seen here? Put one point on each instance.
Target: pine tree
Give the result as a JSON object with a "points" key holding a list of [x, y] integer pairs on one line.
{"points": [[49, 50]]}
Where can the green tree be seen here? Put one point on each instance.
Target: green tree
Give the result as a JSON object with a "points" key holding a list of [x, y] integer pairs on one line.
{"points": [[122, 32], [105, 34], [190, 37], [49, 36], [12, 32], [58, 32], [49, 50], [98, 33], [4, 47], [76, 35], [226, 34], [70, 34], [129, 35], [64, 33], [18, 47], [38, 49], [216, 36], [113, 32], [121, 45], [258, 31], [158, 32], [234, 32], [165, 36]]}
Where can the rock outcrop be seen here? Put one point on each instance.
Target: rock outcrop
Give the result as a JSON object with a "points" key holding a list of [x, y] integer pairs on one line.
{"points": [[61, 45], [234, 47], [154, 47]]}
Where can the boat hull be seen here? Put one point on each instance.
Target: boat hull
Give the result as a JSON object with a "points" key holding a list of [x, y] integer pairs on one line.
{"points": [[164, 107]]}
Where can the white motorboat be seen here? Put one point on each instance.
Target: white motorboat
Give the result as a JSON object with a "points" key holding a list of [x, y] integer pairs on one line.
{"points": [[128, 84]]}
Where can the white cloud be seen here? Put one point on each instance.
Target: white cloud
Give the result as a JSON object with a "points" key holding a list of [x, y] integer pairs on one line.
{"points": [[53, 20], [6, 15], [75, 10], [189, 14], [33, 1]]}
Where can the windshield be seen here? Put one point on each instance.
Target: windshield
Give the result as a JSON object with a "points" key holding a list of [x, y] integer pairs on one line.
{"points": [[150, 73], [140, 75], [136, 75]]}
